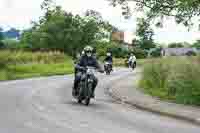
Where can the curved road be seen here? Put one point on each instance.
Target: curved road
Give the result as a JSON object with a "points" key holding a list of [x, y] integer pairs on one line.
{"points": [[45, 105]]}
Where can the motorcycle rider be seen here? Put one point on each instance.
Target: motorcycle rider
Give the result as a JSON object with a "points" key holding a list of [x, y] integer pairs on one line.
{"points": [[86, 60], [132, 59], [109, 58]]}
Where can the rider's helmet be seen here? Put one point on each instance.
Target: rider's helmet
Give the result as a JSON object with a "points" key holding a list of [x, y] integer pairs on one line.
{"points": [[88, 51], [108, 54]]}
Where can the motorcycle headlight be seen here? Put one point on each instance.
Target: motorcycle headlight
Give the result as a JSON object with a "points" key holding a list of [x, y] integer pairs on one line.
{"points": [[90, 71]]}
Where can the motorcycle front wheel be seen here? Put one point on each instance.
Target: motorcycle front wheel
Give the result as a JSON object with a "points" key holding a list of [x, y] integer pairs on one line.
{"points": [[87, 101]]}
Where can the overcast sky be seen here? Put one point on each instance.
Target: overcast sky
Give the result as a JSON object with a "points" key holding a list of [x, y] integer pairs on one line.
{"points": [[19, 14]]}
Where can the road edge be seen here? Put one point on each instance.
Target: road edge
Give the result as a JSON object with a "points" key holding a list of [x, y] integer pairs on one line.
{"points": [[119, 98]]}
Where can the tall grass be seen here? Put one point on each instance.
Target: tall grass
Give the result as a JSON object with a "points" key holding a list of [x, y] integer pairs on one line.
{"points": [[23, 57], [23, 64], [174, 78]]}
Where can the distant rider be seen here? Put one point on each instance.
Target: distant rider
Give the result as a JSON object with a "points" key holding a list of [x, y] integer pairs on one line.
{"points": [[109, 58]]}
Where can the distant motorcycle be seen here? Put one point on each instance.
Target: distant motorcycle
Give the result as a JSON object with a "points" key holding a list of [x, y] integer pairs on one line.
{"points": [[132, 64], [108, 67], [85, 86]]}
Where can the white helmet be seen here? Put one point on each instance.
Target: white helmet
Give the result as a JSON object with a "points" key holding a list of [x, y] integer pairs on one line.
{"points": [[88, 51], [108, 54]]}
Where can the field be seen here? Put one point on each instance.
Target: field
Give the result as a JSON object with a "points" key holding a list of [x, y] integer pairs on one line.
{"points": [[22, 64], [175, 79]]}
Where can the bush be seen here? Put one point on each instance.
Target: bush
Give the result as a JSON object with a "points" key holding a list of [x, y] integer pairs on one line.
{"points": [[11, 44], [174, 79], [191, 53], [139, 53], [117, 50], [156, 52], [2, 45]]}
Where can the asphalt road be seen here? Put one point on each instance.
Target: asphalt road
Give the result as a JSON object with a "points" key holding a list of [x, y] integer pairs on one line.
{"points": [[45, 105]]}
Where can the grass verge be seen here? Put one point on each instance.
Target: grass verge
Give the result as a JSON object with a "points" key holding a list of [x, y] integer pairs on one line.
{"points": [[175, 79], [20, 65]]}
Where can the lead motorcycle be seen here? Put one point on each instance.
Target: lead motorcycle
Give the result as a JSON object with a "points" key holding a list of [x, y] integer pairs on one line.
{"points": [[108, 67], [85, 86]]}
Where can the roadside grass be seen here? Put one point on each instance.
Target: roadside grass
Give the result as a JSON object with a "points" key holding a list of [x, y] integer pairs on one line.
{"points": [[23, 64], [174, 78]]}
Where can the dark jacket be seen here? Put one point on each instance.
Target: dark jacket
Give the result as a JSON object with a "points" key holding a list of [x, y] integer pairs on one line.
{"points": [[108, 59], [87, 61]]}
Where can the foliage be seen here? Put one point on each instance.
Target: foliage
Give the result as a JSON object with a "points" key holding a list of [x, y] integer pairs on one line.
{"points": [[156, 52], [64, 31], [175, 45], [1, 35], [139, 53], [1, 38], [117, 50], [145, 34], [21, 71], [183, 10], [196, 44], [174, 78], [25, 57], [11, 43], [23, 64], [2, 45]]}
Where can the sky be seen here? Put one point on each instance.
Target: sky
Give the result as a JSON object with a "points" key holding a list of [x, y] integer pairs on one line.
{"points": [[19, 14]]}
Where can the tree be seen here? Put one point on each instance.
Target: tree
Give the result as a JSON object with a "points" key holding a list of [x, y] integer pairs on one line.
{"points": [[145, 34], [175, 45], [182, 10], [156, 52], [94, 14], [1, 38], [61, 30], [196, 44], [1, 34]]}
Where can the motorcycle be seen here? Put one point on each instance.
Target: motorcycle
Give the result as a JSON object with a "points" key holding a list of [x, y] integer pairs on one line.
{"points": [[85, 86], [108, 67], [132, 64]]}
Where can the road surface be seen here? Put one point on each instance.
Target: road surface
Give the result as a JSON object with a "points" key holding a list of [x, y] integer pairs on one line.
{"points": [[45, 105]]}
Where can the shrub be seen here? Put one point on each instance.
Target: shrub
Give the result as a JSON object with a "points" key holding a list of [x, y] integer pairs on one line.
{"points": [[156, 52], [2, 45], [139, 53], [117, 50], [11, 44]]}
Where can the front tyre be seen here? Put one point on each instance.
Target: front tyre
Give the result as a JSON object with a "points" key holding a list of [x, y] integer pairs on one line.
{"points": [[79, 101], [87, 101]]}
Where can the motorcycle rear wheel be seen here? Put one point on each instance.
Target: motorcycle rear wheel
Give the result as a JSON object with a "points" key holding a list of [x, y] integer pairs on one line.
{"points": [[87, 101]]}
